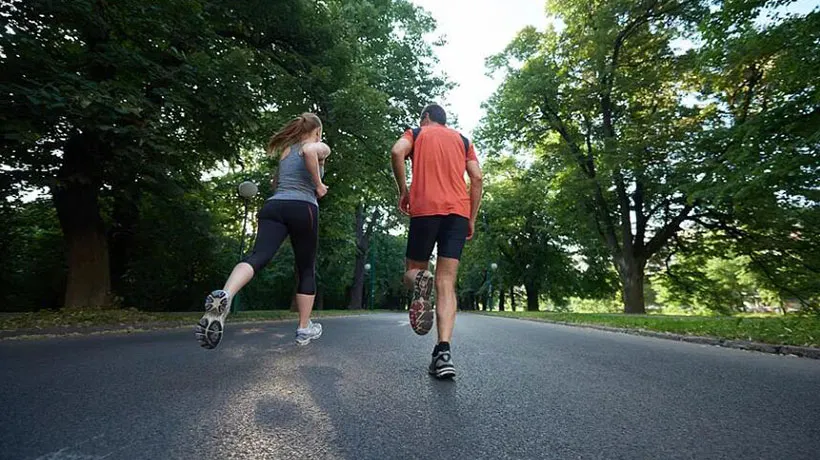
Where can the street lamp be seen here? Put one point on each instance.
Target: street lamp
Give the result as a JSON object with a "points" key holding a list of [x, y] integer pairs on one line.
{"points": [[246, 190], [493, 267]]}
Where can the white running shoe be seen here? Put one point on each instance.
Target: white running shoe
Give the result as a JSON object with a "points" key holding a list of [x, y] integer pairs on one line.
{"points": [[312, 332]]}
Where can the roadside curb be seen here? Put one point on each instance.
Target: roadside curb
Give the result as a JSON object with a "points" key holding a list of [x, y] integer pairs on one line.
{"points": [[71, 331], [803, 352], [78, 331]]}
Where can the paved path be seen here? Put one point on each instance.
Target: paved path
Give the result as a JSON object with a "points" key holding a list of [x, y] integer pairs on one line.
{"points": [[524, 390]]}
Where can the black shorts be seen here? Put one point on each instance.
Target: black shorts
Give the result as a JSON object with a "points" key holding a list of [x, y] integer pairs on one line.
{"points": [[449, 232]]}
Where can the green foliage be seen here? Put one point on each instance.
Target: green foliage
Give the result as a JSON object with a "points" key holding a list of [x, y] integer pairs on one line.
{"points": [[154, 95], [762, 186], [704, 271], [723, 285], [179, 254], [32, 251], [388, 264]]}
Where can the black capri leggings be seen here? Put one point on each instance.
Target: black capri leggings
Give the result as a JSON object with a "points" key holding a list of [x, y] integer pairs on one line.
{"points": [[277, 220]]}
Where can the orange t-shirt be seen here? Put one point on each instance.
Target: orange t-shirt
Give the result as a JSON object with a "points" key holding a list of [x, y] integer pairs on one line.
{"points": [[439, 163]]}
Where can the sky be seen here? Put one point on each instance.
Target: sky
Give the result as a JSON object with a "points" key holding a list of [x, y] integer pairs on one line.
{"points": [[477, 29]]}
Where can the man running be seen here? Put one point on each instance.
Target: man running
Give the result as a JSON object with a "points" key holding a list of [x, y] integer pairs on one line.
{"points": [[442, 213]]}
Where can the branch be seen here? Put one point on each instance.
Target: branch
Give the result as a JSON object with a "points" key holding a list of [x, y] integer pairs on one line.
{"points": [[655, 208], [803, 301], [558, 124], [609, 76], [590, 157], [668, 230], [607, 231], [601, 210]]}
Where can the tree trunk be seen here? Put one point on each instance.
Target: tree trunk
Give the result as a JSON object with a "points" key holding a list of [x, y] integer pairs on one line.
{"points": [[512, 298], [357, 290], [631, 272], [362, 248], [76, 199], [532, 296], [501, 299]]}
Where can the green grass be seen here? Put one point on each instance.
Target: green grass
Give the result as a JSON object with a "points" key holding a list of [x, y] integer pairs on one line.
{"points": [[131, 317], [779, 330]]}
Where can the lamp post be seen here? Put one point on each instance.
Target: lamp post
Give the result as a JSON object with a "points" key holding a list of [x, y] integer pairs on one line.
{"points": [[246, 190], [493, 267], [367, 268]]}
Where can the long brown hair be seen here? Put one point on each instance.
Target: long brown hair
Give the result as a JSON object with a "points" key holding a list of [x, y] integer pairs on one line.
{"points": [[292, 132]]}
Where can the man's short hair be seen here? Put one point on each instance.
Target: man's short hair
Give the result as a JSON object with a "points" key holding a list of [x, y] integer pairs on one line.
{"points": [[437, 114]]}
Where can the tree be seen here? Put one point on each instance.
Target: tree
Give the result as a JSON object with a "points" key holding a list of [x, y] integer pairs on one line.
{"points": [[761, 180], [606, 101]]}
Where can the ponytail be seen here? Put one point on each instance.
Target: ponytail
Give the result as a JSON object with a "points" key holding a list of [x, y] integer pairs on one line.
{"points": [[293, 131]]}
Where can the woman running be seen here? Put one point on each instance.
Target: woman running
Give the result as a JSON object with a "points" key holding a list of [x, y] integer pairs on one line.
{"points": [[292, 211]]}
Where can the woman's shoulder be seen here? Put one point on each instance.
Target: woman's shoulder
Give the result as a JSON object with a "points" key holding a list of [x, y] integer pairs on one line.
{"points": [[319, 148]]}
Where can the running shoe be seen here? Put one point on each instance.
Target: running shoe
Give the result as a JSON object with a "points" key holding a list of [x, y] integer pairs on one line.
{"points": [[210, 327], [421, 308], [442, 366], [312, 332]]}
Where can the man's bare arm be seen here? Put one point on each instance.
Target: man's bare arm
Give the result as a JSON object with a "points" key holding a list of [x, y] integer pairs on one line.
{"points": [[399, 152], [476, 188]]}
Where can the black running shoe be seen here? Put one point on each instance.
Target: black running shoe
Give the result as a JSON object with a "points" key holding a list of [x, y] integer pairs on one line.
{"points": [[442, 366]]}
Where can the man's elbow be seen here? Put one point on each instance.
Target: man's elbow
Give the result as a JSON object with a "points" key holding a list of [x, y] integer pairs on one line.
{"points": [[397, 154], [476, 179]]}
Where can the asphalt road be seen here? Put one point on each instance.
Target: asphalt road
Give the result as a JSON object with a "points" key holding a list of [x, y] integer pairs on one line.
{"points": [[524, 390]]}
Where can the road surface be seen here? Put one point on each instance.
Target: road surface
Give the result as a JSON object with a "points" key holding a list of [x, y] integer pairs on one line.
{"points": [[524, 390]]}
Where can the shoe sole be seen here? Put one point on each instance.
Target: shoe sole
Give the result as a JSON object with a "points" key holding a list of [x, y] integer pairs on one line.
{"points": [[421, 310], [444, 373], [211, 327]]}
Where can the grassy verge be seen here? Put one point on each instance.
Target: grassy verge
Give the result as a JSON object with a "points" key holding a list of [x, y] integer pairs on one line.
{"points": [[131, 317], [779, 330]]}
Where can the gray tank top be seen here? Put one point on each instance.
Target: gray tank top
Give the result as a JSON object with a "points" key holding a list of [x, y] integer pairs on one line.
{"points": [[295, 182]]}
